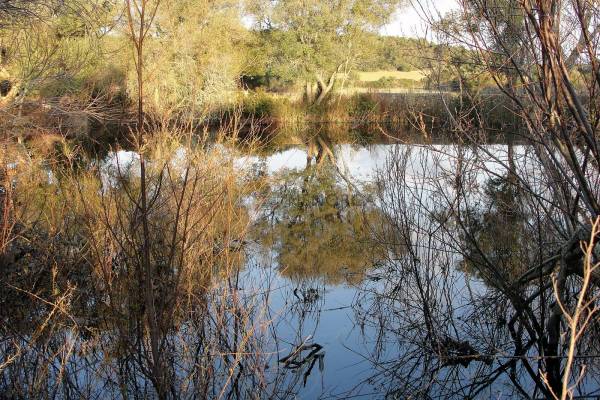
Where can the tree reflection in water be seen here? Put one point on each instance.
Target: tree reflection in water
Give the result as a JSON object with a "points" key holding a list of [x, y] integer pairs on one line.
{"points": [[460, 307], [319, 226], [442, 255]]}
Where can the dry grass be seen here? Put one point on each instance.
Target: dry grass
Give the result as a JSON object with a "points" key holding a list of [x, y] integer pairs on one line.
{"points": [[78, 237], [373, 76], [348, 91]]}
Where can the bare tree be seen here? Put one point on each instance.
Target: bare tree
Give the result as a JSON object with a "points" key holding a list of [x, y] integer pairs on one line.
{"points": [[516, 216]]}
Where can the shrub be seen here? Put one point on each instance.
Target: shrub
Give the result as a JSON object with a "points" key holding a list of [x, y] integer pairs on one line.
{"points": [[361, 105]]}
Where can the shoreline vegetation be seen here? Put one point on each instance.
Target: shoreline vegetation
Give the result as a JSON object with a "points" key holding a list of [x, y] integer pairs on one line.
{"points": [[155, 242], [383, 115]]}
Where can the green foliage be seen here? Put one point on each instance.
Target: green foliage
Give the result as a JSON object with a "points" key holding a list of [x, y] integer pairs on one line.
{"points": [[195, 59], [51, 54], [458, 69], [303, 39], [260, 104], [395, 53], [198, 54], [362, 104]]}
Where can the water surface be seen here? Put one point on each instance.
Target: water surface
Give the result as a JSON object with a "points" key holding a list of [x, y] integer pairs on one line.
{"points": [[359, 276]]}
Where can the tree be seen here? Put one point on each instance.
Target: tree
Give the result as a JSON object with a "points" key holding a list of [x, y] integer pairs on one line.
{"points": [[12, 10], [528, 48], [314, 41], [48, 47], [194, 56]]}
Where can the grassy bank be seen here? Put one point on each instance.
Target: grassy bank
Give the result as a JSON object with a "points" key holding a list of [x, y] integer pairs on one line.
{"points": [[374, 115], [277, 120]]}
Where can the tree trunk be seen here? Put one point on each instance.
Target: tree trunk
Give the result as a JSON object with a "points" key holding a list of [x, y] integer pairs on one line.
{"points": [[310, 92], [324, 88], [316, 96]]}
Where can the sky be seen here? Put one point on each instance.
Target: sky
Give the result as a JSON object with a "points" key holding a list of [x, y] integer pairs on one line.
{"points": [[409, 21]]}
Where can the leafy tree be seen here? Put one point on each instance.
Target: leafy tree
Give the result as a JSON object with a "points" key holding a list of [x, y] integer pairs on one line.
{"points": [[195, 56], [44, 46], [314, 41], [396, 53]]}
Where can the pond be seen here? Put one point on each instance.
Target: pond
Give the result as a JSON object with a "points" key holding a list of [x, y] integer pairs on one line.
{"points": [[364, 271], [329, 278]]}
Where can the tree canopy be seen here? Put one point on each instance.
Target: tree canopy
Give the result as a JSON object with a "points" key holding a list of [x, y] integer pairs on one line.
{"points": [[315, 40]]}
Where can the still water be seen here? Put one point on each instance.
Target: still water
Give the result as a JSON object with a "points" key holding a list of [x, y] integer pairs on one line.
{"points": [[329, 284], [316, 305], [364, 273]]}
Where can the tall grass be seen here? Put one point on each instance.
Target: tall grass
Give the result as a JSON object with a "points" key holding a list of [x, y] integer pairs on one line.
{"points": [[72, 292]]}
